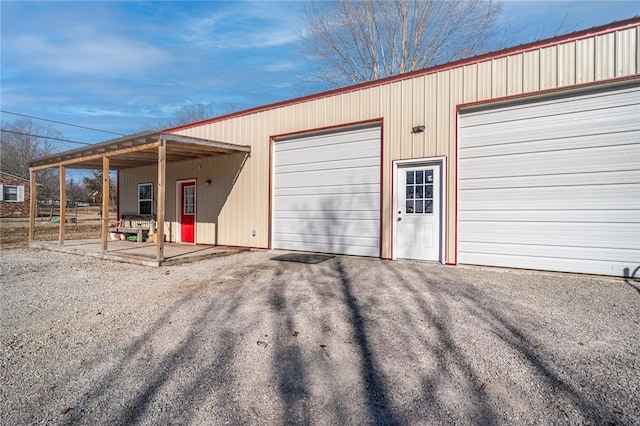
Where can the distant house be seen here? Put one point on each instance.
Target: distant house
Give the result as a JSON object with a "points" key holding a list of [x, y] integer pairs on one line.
{"points": [[14, 196], [527, 157]]}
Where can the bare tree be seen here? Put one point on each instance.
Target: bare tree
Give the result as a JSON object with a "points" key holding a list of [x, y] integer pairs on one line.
{"points": [[187, 113], [22, 141], [357, 41], [76, 190]]}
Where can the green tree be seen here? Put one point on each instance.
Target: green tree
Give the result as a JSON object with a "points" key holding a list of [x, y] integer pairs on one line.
{"points": [[93, 187]]}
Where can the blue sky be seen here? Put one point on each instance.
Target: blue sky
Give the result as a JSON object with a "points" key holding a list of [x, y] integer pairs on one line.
{"points": [[119, 66]]}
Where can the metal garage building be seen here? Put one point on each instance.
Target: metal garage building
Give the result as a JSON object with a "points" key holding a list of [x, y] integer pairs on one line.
{"points": [[527, 157]]}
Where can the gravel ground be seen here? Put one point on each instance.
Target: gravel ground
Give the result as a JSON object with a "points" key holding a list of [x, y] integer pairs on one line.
{"points": [[248, 340]]}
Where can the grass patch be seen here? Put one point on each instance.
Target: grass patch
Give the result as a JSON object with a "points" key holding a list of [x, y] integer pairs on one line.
{"points": [[16, 234]]}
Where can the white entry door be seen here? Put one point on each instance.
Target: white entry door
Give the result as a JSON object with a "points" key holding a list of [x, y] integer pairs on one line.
{"points": [[418, 217]]}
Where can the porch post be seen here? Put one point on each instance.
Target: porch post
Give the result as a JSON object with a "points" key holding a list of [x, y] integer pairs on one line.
{"points": [[33, 199], [105, 202], [162, 189], [63, 205]]}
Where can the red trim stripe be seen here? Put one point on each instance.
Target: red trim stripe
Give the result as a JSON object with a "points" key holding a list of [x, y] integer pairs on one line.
{"points": [[381, 185]]}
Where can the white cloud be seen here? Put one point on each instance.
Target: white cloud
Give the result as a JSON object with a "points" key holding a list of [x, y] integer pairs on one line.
{"points": [[280, 65], [99, 55], [92, 111], [245, 25]]}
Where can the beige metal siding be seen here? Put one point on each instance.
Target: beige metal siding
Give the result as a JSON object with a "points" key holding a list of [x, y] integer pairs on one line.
{"points": [[626, 41], [531, 72], [514, 74], [548, 73], [428, 100], [585, 60], [605, 56], [216, 203]]}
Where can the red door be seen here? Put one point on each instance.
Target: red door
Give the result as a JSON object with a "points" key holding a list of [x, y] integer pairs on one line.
{"points": [[188, 220]]}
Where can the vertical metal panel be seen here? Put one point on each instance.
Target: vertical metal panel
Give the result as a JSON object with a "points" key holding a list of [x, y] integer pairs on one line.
{"points": [[431, 111], [626, 52], [585, 60], [514, 74], [484, 80], [419, 140], [406, 92], [385, 110], [499, 77], [470, 83], [458, 94], [352, 102], [531, 71], [548, 67], [566, 64], [443, 115], [394, 106], [605, 56], [365, 102]]}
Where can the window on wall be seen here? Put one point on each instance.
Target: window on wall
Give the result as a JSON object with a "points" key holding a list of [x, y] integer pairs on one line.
{"points": [[12, 193], [145, 198]]}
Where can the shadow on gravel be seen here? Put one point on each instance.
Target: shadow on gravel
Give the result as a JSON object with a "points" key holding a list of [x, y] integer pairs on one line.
{"points": [[632, 278], [434, 296], [107, 393], [401, 325], [381, 411], [333, 289], [288, 367]]}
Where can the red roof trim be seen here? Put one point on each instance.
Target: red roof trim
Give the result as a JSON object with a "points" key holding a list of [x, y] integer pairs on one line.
{"points": [[578, 35], [329, 127]]}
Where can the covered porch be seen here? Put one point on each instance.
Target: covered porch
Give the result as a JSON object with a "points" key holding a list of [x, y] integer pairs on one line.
{"points": [[138, 150]]}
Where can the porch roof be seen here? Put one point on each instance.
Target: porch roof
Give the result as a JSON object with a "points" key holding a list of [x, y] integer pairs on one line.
{"points": [[140, 149]]}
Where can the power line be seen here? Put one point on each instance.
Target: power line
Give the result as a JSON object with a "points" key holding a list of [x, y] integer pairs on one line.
{"points": [[60, 122], [44, 137]]}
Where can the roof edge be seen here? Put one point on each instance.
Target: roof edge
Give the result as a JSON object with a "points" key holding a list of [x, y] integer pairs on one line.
{"points": [[573, 36], [15, 176], [144, 134]]}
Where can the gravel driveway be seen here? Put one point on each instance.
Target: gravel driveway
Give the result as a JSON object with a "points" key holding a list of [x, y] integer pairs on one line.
{"points": [[249, 340]]}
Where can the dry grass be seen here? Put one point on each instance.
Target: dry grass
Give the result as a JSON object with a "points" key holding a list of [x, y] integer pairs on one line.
{"points": [[14, 233]]}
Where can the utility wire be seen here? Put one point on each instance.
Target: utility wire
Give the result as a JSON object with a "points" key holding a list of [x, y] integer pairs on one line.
{"points": [[59, 122], [44, 137]]}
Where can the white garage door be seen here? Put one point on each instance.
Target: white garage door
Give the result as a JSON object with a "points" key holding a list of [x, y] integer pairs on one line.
{"points": [[553, 184], [326, 193]]}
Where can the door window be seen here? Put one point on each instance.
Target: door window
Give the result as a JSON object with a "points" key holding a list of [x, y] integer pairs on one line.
{"points": [[419, 191], [190, 199]]}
